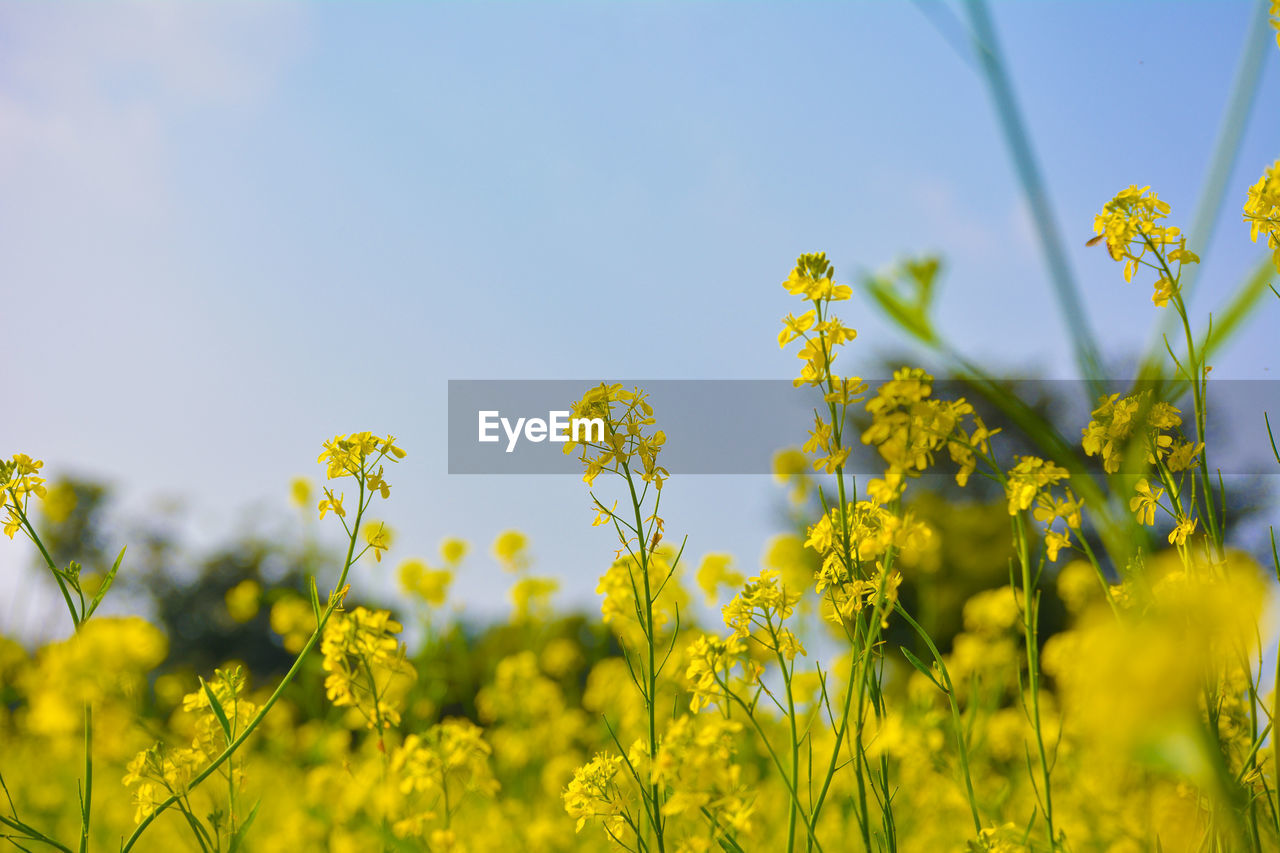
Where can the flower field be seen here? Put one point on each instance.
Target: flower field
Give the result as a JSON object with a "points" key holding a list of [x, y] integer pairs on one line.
{"points": [[1018, 634]]}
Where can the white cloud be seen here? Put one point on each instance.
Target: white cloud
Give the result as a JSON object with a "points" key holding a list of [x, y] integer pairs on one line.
{"points": [[92, 95]]}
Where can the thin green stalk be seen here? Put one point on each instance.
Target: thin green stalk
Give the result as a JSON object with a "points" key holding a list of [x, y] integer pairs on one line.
{"points": [[777, 762], [1244, 90], [864, 665], [962, 746], [1030, 612], [30, 833], [62, 586], [1011, 122], [837, 431], [249, 728], [86, 805], [841, 729], [795, 739], [651, 674], [1195, 371]]}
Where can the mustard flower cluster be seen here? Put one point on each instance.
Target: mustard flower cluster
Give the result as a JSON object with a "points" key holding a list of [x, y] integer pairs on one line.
{"points": [[758, 611], [365, 666], [909, 426], [629, 443], [1121, 419], [1129, 224], [696, 760], [597, 792], [356, 456], [1262, 209], [823, 333], [19, 480], [160, 772], [436, 771], [710, 664]]}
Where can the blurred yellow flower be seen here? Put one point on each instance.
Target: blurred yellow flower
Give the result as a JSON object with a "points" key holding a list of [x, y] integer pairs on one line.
{"points": [[243, 600], [510, 550], [300, 491], [453, 550], [59, 502]]}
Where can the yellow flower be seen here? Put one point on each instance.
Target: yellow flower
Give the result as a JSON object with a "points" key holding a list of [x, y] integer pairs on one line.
{"points": [[811, 279], [365, 666], [1144, 505], [1028, 478], [622, 434], [1130, 218], [1078, 585], [710, 662], [242, 600], [435, 771], [300, 491], [714, 572], [18, 481], [511, 550], [763, 599], [1262, 209], [378, 537], [293, 619], [1182, 455], [453, 550], [1118, 420], [434, 586], [59, 502], [1185, 527], [431, 585], [350, 455], [696, 761], [331, 503], [358, 456], [531, 598], [791, 468], [594, 794], [993, 612], [793, 327], [1055, 542]]}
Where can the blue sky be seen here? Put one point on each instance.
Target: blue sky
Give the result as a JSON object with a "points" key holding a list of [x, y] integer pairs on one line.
{"points": [[232, 231]]}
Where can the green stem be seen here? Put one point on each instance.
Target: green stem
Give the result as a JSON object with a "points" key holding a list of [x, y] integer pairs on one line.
{"points": [[841, 729], [655, 793], [62, 587], [795, 738], [86, 806], [961, 742], [1037, 196], [777, 762], [235, 744], [1235, 118], [1030, 611]]}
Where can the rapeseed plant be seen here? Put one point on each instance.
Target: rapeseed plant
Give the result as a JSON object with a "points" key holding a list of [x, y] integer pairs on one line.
{"points": [[1104, 692]]}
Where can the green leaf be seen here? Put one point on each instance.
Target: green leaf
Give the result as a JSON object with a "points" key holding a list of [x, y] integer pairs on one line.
{"points": [[106, 584], [315, 597], [912, 316], [217, 709], [237, 838], [1229, 321], [919, 665]]}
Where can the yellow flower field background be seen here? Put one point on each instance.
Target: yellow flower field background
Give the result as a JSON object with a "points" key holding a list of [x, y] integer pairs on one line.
{"points": [[1019, 635]]}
